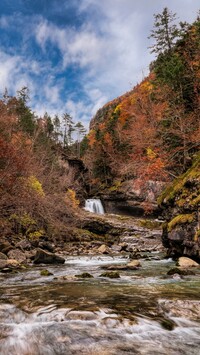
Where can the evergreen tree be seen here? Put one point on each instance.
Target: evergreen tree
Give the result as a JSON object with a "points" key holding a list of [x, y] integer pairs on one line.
{"points": [[166, 32], [80, 129], [26, 117], [68, 130]]}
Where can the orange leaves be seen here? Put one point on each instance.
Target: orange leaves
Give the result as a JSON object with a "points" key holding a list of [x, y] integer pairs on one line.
{"points": [[91, 138]]}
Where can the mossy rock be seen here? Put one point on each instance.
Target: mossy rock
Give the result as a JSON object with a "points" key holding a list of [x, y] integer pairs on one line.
{"points": [[45, 272], [176, 270], [150, 224], [180, 219], [180, 189], [111, 275], [84, 275], [168, 324]]}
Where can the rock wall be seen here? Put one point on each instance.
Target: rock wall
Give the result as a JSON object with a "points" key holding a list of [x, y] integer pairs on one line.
{"points": [[180, 204], [133, 197]]}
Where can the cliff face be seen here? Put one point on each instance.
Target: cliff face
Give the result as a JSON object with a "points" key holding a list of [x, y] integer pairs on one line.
{"points": [[143, 139], [181, 207]]}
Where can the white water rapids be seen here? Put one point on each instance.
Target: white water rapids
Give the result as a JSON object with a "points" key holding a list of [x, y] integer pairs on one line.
{"points": [[64, 315]]}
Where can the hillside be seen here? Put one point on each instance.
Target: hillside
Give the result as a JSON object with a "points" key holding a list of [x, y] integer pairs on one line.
{"points": [[151, 132]]}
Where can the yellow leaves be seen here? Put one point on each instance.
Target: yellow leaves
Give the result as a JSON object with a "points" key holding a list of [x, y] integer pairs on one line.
{"points": [[150, 153], [146, 86], [117, 109], [71, 197], [34, 184]]}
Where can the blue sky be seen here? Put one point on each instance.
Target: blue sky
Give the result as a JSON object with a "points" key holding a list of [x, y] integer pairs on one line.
{"points": [[76, 55]]}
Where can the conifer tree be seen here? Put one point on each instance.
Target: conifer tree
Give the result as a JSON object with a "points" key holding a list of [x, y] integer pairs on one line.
{"points": [[166, 32]]}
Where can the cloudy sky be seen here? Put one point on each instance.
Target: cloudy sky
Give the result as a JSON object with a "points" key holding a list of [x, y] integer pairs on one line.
{"points": [[75, 55]]}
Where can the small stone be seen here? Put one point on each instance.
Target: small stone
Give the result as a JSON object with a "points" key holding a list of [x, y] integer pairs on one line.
{"points": [[185, 262]]}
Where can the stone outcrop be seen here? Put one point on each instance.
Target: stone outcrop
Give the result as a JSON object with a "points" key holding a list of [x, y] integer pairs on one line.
{"points": [[44, 257], [181, 208], [132, 197]]}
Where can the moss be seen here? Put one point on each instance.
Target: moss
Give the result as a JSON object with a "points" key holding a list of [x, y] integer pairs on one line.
{"points": [[195, 201], [179, 185], [180, 219], [150, 224]]}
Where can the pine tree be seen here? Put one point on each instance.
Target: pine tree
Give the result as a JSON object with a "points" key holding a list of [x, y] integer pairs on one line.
{"points": [[166, 32]]}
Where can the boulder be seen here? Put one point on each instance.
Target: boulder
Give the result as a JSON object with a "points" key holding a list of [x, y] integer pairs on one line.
{"points": [[8, 264], [23, 245], [5, 247], [179, 271], [84, 275], [111, 274], [12, 263], [3, 264], [45, 272], [134, 264], [3, 256], [103, 249], [47, 246], [17, 255], [185, 262], [45, 257]]}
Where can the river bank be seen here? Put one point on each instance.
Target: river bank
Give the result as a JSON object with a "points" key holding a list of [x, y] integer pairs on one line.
{"points": [[95, 303]]}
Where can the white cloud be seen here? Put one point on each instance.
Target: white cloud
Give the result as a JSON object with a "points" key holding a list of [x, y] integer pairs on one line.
{"points": [[108, 50]]}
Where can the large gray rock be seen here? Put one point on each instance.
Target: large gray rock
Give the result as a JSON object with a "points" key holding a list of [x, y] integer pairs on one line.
{"points": [[18, 255], [45, 257]]}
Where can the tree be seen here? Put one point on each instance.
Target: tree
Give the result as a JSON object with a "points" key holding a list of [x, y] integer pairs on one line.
{"points": [[49, 127], [165, 32], [68, 130], [80, 129], [56, 123], [26, 117]]}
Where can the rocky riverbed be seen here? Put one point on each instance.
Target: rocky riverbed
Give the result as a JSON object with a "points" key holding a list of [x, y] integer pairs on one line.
{"points": [[112, 292]]}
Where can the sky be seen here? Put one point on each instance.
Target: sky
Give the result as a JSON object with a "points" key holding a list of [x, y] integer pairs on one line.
{"points": [[76, 55]]}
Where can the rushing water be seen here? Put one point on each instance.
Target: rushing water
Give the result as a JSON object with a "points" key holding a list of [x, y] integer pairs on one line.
{"points": [[94, 205], [142, 312]]}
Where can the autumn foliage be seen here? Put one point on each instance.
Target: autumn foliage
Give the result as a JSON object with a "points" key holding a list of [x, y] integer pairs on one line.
{"points": [[33, 178], [151, 132]]}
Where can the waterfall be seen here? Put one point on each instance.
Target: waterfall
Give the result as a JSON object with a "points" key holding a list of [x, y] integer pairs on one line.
{"points": [[94, 205]]}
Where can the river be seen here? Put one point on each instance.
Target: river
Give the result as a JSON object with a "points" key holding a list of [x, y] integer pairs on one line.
{"points": [[142, 312]]}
